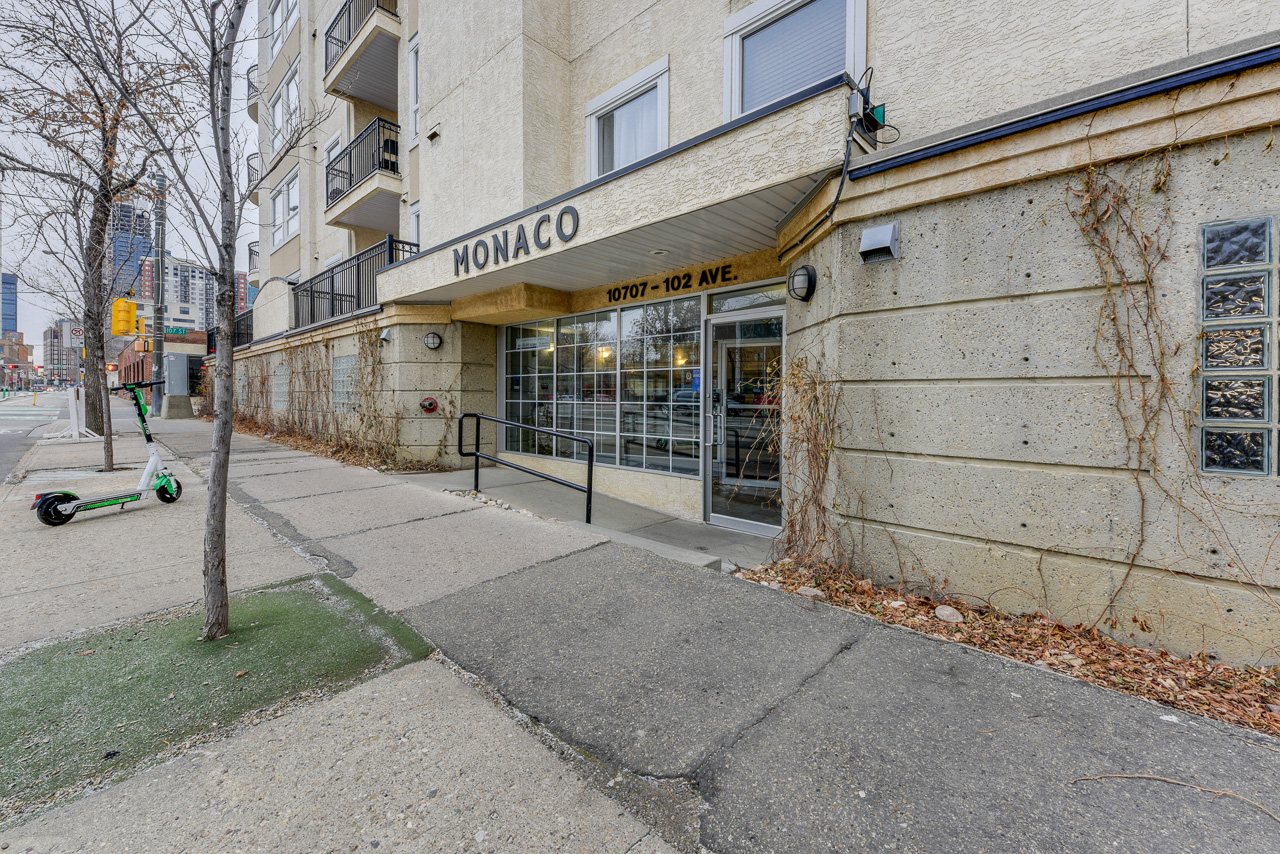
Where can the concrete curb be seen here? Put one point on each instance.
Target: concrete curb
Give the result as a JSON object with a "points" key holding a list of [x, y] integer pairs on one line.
{"points": [[700, 559]]}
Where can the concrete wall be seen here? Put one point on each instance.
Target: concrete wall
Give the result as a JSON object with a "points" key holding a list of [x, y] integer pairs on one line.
{"points": [[300, 382], [982, 443]]}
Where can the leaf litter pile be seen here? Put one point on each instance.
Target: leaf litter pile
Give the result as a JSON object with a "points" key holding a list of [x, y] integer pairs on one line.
{"points": [[1244, 696]]}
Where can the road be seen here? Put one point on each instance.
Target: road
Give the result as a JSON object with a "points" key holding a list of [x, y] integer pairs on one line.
{"points": [[18, 418]]}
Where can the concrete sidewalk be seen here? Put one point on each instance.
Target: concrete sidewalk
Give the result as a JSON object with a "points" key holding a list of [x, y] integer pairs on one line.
{"points": [[415, 760], [800, 726]]}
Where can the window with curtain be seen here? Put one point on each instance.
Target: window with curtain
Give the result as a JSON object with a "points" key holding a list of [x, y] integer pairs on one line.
{"points": [[630, 132], [804, 46]]}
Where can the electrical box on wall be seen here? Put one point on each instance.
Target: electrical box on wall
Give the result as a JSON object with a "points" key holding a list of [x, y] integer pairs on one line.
{"points": [[879, 243]]}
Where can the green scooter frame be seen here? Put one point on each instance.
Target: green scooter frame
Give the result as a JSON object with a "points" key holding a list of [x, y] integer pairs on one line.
{"points": [[57, 508]]}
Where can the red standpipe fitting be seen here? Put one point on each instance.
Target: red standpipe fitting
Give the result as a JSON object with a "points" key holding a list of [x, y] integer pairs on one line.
{"points": [[429, 405]]}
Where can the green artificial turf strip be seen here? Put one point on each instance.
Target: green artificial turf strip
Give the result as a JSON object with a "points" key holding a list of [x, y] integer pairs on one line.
{"points": [[66, 717]]}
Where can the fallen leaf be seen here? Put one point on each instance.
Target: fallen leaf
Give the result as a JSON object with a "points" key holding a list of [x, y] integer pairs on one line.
{"points": [[241, 673]]}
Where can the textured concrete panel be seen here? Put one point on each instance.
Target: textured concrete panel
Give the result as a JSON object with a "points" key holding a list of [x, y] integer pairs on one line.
{"points": [[1083, 513], [423, 561], [1046, 336], [1053, 424]]}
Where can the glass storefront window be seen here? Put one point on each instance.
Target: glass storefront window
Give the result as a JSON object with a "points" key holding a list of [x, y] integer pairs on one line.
{"points": [[627, 379], [766, 295]]}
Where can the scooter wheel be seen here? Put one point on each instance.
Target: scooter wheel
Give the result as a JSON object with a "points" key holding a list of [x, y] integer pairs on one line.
{"points": [[168, 496], [47, 510]]}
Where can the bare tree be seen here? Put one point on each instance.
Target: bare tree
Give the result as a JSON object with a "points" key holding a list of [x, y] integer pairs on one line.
{"points": [[201, 39], [72, 145]]}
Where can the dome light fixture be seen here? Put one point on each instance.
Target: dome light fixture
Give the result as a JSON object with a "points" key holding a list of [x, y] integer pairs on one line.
{"points": [[433, 341], [801, 282]]}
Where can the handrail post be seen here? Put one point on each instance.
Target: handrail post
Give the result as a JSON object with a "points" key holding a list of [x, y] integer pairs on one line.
{"points": [[477, 455], [591, 467]]}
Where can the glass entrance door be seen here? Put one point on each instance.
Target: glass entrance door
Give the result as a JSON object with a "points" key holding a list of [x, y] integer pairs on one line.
{"points": [[744, 488]]}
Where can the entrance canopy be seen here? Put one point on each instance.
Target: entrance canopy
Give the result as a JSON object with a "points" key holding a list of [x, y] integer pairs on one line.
{"points": [[720, 196]]}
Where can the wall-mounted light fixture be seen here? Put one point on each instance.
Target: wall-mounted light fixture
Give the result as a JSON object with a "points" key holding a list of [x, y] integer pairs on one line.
{"points": [[433, 341], [384, 337], [801, 282]]}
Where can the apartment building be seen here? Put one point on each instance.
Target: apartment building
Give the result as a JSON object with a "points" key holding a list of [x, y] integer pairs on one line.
{"points": [[63, 363], [625, 221]]}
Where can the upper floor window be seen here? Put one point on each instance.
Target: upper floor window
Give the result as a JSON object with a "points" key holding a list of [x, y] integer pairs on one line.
{"points": [[284, 109], [413, 88], [775, 48], [415, 223], [628, 122], [281, 18], [285, 213]]}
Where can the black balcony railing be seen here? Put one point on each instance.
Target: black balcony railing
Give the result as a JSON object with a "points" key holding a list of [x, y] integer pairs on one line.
{"points": [[252, 168], [253, 256], [242, 334], [376, 149], [251, 83], [349, 21], [348, 286]]}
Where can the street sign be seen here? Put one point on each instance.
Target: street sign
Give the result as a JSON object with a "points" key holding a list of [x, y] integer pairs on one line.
{"points": [[77, 336]]}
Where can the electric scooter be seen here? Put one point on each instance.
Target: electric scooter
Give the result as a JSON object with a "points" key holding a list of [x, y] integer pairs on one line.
{"points": [[57, 508]]}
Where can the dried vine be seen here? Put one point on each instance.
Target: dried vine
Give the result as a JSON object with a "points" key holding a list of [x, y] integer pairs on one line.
{"points": [[803, 432], [1123, 213]]}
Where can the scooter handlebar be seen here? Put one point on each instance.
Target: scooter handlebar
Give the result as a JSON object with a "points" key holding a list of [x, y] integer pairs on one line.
{"points": [[132, 386]]}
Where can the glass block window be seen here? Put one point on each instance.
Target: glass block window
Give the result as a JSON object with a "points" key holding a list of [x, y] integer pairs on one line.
{"points": [[1238, 357], [343, 387], [280, 389], [627, 379]]}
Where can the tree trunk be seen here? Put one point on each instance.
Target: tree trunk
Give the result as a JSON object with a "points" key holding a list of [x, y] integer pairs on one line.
{"points": [[216, 616], [95, 363]]}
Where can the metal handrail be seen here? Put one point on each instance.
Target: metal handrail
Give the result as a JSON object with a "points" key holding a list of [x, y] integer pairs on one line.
{"points": [[347, 23], [251, 167], [242, 329], [251, 79], [253, 256], [375, 149], [347, 286], [479, 455]]}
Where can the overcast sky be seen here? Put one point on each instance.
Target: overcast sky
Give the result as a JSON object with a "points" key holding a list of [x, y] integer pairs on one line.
{"points": [[36, 311]]}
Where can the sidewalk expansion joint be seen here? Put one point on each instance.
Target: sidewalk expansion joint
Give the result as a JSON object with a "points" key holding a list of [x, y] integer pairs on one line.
{"points": [[675, 817], [696, 773]]}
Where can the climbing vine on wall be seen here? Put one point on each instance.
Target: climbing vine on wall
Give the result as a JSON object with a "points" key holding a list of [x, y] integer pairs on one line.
{"points": [[1123, 213]]}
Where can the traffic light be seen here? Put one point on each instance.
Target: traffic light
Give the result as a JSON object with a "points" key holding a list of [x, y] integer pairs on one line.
{"points": [[124, 317]]}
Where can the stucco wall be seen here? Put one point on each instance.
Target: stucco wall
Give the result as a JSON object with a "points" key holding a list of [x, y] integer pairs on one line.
{"points": [[933, 78], [982, 443]]}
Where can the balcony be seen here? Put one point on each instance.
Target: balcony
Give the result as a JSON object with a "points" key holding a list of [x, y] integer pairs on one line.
{"points": [[252, 92], [363, 183], [255, 273], [349, 286], [242, 332], [361, 52], [253, 171]]}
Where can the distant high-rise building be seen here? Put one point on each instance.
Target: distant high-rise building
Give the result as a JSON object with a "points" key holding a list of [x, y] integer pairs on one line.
{"points": [[190, 293], [62, 362], [8, 303], [129, 233]]}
